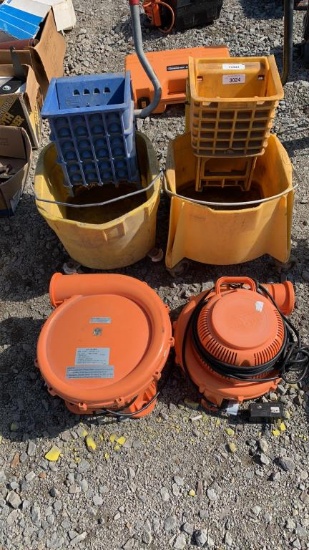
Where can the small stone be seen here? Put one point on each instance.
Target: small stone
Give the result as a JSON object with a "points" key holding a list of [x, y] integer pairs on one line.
{"points": [[202, 538], [25, 505], [187, 528], [78, 539], [268, 517], [164, 494], [30, 476], [2, 477], [304, 497], [191, 404], [54, 492], [170, 524], [212, 495], [57, 505], [13, 499], [72, 534], [232, 448], [179, 481], [129, 545], [290, 524], [14, 427], [229, 431], [97, 500], [36, 515], [263, 445], [84, 485], [31, 448], [180, 542], [147, 537], [228, 539], [301, 532], [256, 510], [66, 436], [264, 459], [83, 466], [287, 464], [16, 460], [191, 493]]}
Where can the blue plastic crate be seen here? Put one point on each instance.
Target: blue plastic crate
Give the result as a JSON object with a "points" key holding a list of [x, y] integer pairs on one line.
{"points": [[105, 170], [92, 120]]}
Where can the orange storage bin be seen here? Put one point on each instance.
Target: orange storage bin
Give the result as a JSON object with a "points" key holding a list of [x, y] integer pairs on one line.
{"points": [[232, 104], [104, 346], [171, 68]]}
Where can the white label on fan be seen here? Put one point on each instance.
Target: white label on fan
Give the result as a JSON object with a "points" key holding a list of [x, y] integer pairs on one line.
{"points": [[90, 371], [259, 306], [92, 356], [100, 320]]}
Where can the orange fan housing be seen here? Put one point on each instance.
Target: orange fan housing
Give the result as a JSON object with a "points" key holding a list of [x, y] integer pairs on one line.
{"points": [[237, 326], [105, 344]]}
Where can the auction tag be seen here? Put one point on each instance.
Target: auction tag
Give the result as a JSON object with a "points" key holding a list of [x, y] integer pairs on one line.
{"points": [[233, 66], [233, 79]]}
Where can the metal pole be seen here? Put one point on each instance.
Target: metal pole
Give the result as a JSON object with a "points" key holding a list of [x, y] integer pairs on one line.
{"points": [[288, 40], [138, 44]]}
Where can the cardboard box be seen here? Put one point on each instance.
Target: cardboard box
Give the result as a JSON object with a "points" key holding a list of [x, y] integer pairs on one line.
{"points": [[63, 11], [22, 109], [21, 19], [46, 57], [15, 150], [30, 11]]}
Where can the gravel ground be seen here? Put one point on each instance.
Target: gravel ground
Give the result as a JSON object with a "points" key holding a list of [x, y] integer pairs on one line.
{"points": [[179, 478]]}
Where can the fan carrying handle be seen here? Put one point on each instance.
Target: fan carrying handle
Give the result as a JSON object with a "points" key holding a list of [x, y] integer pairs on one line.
{"points": [[226, 281]]}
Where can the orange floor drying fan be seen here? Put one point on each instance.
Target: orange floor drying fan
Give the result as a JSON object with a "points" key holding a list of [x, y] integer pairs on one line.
{"points": [[235, 341]]}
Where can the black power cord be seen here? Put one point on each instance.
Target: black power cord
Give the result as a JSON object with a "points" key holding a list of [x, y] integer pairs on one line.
{"points": [[122, 415], [292, 359]]}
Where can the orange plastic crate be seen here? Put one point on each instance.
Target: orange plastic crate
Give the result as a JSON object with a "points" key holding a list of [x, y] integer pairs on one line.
{"points": [[228, 172], [232, 104]]}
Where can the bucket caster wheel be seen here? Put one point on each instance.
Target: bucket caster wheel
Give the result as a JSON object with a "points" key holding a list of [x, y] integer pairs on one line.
{"points": [[285, 267], [179, 269]]}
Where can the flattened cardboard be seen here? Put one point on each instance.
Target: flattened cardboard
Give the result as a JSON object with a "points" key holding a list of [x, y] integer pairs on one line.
{"points": [[15, 149], [46, 57], [22, 109]]}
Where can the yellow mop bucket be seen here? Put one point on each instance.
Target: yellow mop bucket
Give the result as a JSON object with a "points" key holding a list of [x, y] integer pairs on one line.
{"points": [[228, 226], [105, 227]]}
